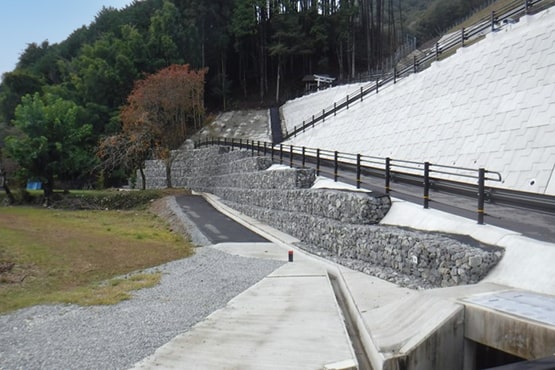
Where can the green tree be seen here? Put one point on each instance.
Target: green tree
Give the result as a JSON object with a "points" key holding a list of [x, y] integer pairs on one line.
{"points": [[286, 42], [14, 86], [52, 144], [165, 36], [243, 27], [7, 166]]}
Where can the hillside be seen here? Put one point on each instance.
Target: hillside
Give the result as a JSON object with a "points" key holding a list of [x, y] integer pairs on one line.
{"points": [[255, 55]]}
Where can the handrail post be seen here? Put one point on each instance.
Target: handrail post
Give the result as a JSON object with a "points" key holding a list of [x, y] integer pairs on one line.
{"points": [[358, 171], [225, 141], [280, 153], [313, 120], [291, 156], [318, 162], [272, 153], [377, 84], [387, 175], [395, 75], [492, 20], [323, 115], [481, 194], [347, 101], [426, 185], [414, 65], [295, 131], [526, 5], [304, 156], [335, 165], [258, 147], [252, 147], [232, 144], [361, 95], [437, 51], [240, 143], [462, 36], [265, 148], [334, 108]]}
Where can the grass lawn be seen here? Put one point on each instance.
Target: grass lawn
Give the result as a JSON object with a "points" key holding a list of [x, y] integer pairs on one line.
{"points": [[51, 256]]}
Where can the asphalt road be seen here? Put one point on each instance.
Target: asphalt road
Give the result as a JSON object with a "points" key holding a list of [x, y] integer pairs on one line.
{"points": [[217, 227], [538, 225]]}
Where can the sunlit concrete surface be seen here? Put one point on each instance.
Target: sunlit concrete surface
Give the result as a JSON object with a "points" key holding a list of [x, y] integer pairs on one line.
{"points": [[528, 305], [289, 320], [491, 105]]}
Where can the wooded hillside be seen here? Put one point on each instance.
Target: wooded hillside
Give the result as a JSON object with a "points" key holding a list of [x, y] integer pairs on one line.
{"points": [[256, 51]]}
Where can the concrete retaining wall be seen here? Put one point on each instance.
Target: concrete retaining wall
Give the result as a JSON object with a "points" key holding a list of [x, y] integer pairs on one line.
{"points": [[343, 223], [490, 105]]}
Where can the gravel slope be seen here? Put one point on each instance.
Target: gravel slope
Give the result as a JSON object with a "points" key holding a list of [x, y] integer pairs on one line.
{"points": [[118, 336]]}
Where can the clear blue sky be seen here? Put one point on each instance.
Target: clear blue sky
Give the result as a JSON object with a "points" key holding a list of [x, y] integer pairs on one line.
{"points": [[26, 21]]}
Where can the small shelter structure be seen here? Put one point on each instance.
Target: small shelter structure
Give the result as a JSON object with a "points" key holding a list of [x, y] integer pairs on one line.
{"points": [[317, 82]]}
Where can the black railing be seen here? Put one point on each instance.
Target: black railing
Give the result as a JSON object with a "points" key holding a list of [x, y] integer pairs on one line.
{"points": [[497, 19], [362, 170]]}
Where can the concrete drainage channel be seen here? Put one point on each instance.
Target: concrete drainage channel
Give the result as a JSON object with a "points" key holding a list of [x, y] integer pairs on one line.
{"points": [[350, 324]]}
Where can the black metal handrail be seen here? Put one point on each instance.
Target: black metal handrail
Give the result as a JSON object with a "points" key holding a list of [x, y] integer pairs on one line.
{"points": [[493, 22], [423, 174]]}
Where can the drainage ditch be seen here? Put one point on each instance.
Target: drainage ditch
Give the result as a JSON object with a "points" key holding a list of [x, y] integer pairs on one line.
{"points": [[352, 330]]}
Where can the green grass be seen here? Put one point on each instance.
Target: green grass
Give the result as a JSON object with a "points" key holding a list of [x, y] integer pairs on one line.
{"points": [[108, 292], [72, 256]]}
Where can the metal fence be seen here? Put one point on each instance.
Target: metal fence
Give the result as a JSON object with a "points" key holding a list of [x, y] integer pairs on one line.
{"points": [[362, 170]]}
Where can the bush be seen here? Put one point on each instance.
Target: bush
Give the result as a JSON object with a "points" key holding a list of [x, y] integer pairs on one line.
{"points": [[109, 199], [92, 199]]}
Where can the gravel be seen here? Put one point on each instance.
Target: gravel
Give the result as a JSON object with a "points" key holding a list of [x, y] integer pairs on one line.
{"points": [[118, 336]]}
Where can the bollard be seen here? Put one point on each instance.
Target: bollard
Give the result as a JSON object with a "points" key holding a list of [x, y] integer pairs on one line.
{"points": [[290, 254]]}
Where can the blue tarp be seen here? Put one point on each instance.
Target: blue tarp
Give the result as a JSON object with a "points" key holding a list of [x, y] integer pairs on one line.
{"points": [[34, 185]]}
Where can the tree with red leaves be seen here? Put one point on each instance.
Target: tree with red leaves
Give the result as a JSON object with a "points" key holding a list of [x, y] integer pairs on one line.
{"points": [[161, 112]]}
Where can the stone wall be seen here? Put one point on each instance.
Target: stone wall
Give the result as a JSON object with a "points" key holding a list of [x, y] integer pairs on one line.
{"points": [[343, 224]]}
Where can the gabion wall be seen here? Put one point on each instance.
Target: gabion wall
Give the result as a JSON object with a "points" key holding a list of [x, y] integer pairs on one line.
{"points": [[342, 223]]}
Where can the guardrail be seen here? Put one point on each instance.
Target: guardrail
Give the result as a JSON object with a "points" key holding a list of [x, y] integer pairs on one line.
{"points": [[489, 24], [344, 165]]}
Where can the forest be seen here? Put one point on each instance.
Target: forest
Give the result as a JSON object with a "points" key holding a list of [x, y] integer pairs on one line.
{"points": [[253, 53]]}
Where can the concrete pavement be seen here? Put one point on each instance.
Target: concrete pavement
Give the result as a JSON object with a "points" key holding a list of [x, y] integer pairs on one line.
{"points": [[292, 319], [289, 320]]}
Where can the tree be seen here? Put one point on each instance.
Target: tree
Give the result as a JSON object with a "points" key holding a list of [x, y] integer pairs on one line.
{"points": [[128, 149], [286, 42], [243, 27], [7, 166], [161, 112], [165, 36], [14, 86], [53, 143]]}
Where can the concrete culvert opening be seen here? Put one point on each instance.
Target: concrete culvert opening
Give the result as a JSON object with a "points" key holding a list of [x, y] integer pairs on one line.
{"points": [[486, 357]]}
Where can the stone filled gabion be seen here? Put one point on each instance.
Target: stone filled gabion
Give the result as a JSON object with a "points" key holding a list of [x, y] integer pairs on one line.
{"points": [[438, 260], [342, 224]]}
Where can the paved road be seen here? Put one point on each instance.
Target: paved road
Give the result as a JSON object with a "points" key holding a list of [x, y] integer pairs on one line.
{"points": [[537, 225], [217, 227]]}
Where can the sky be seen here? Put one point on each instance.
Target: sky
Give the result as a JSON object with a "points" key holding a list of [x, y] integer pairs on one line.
{"points": [[26, 21]]}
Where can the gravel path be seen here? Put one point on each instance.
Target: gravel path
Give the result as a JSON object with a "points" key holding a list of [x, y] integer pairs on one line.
{"points": [[118, 336]]}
